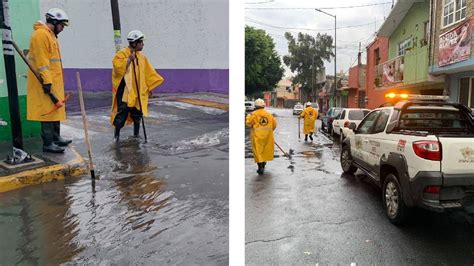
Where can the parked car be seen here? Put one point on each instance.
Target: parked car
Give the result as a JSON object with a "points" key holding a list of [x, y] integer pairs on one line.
{"points": [[249, 106], [347, 116], [297, 109], [326, 121], [420, 152]]}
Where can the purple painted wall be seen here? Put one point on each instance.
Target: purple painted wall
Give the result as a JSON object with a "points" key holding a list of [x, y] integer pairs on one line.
{"points": [[176, 80]]}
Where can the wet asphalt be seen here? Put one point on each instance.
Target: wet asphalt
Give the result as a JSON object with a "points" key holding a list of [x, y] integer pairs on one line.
{"points": [[163, 202], [304, 211]]}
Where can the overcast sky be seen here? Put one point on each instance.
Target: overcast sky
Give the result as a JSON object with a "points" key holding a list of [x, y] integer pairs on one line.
{"points": [[277, 21]]}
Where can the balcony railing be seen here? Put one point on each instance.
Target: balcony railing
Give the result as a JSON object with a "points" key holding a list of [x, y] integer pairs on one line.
{"points": [[412, 68], [389, 72]]}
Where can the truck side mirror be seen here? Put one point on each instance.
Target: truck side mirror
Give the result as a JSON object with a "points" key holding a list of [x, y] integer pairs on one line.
{"points": [[352, 126]]}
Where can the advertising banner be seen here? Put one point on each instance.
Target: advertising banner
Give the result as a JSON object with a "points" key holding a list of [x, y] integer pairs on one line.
{"points": [[455, 45]]}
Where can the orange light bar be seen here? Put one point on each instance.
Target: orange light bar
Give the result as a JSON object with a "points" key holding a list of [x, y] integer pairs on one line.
{"points": [[405, 96]]}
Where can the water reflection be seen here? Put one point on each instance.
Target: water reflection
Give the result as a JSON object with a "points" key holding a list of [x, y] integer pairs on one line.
{"points": [[132, 214], [59, 227], [141, 192]]}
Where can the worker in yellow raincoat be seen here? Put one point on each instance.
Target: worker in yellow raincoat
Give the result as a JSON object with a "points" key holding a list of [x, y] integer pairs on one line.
{"points": [[262, 125], [44, 100], [125, 104], [310, 115]]}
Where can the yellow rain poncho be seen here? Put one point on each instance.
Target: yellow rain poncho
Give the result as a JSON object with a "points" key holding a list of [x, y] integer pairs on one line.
{"points": [[309, 114], [262, 125], [45, 57], [147, 77]]}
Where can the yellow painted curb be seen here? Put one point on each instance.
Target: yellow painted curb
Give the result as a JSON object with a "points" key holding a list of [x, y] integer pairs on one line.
{"points": [[205, 103], [75, 167]]}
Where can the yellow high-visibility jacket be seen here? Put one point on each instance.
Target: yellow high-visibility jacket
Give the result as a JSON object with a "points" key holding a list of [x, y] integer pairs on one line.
{"points": [[45, 57], [262, 125], [309, 114], [147, 78]]}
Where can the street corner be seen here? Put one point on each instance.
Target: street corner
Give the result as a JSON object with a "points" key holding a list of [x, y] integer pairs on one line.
{"points": [[205, 103], [45, 168]]}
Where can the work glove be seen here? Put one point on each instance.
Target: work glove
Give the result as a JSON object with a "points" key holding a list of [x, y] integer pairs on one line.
{"points": [[131, 58], [47, 88]]}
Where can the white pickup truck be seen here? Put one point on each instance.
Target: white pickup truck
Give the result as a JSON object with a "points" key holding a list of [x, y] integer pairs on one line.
{"points": [[420, 152]]}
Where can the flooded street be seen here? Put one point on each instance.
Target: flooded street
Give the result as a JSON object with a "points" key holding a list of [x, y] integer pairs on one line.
{"points": [[165, 201], [304, 211]]}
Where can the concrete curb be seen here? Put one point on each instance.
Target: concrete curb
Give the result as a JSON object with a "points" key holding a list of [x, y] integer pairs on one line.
{"points": [[205, 103], [72, 168]]}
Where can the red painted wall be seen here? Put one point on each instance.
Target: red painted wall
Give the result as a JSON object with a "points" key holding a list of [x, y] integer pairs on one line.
{"points": [[354, 77], [354, 85], [267, 97], [375, 97], [351, 103]]}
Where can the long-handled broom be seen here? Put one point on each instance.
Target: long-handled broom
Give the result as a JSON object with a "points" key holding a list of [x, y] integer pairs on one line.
{"points": [[86, 127]]}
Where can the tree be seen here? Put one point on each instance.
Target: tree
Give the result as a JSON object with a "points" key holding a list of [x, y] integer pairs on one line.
{"points": [[306, 56], [263, 67]]}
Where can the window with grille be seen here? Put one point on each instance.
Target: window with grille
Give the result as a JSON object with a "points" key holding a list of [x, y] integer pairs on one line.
{"points": [[404, 46], [453, 11]]}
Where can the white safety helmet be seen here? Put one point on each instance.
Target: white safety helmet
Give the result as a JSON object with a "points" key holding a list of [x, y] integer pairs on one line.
{"points": [[259, 103], [308, 104], [57, 14], [135, 35]]}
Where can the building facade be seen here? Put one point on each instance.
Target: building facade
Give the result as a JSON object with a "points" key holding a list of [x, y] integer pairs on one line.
{"points": [[451, 52], [377, 53], [356, 87], [407, 29], [286, 93]]}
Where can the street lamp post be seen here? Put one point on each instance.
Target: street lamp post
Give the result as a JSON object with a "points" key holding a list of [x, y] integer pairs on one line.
{"points": [[335, 68]]}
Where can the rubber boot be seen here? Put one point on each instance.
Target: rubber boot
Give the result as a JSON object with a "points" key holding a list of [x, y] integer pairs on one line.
{"points": [[53, 148], [311, 137], [136, 129], [305, 137], [117, 134], [260, 168], [47, 133], [57, 139]]}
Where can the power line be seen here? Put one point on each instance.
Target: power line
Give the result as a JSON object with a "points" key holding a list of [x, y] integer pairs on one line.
{"points": [[344, 46], [289, 28], [302, 8], [256, 3], [364, 40]]}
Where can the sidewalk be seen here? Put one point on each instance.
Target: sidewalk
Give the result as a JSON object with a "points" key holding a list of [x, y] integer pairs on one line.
{"points": [[212, 100], [47, 167]]}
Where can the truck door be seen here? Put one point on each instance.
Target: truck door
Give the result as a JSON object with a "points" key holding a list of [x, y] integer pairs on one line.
{"points": [[360, 147]]}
